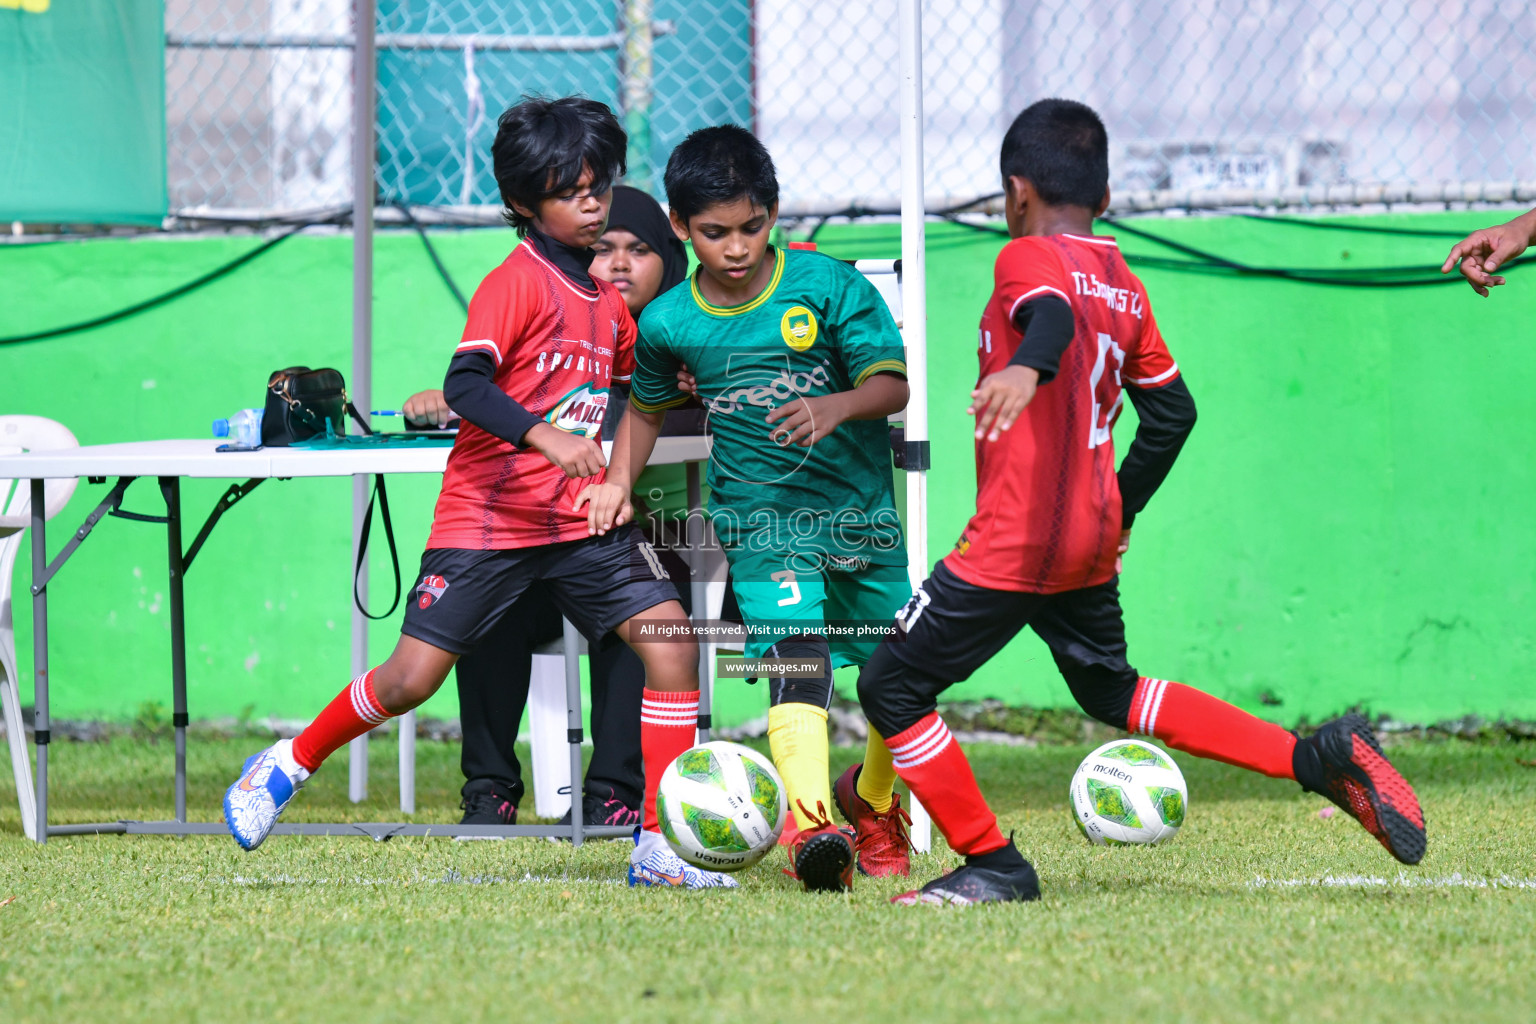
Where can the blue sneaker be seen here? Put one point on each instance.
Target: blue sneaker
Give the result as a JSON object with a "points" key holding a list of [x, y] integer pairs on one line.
{"points": [[654, 863], [267, 782]]}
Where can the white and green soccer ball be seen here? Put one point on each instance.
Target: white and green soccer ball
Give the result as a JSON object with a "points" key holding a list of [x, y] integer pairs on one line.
{"points": [[721, 806], [1129, 791]]}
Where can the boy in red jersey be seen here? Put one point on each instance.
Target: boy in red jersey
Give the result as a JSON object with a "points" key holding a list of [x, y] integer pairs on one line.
{"points": [[1053, 519], [543, 342]]}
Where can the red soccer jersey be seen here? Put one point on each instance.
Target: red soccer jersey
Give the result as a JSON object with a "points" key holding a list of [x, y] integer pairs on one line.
{"points": [[558, 347], [1048, 502]]}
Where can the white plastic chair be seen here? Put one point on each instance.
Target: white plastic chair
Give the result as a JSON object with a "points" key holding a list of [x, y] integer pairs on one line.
{"points": [[549, 717], [20, 433]]}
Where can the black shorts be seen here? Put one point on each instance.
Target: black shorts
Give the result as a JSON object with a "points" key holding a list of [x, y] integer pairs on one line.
{"points": [[597, 583], [950, 628]]}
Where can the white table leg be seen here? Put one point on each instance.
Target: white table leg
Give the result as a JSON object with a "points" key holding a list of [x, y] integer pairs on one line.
{"points": [[357, 769], [407, 726], [922, 827]]}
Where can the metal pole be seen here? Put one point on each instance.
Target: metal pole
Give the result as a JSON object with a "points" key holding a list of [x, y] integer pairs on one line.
{"points": [[698, 597], [572, 644], [170, 489], [914, 305], [364, 61], [639, 47], [40, 652]]}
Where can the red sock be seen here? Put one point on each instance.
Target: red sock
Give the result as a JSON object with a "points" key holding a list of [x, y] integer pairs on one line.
{"points": [[668, 724], [1197, 723], [354, 711], [934, 768]]}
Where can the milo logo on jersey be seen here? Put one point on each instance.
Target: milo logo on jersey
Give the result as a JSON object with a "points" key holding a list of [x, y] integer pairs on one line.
{"points": [[581, 411], [787, 385]]}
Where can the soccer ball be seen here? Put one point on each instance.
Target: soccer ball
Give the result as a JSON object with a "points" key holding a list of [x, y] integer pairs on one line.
{"points": [[1129, 791], [721, 806]]}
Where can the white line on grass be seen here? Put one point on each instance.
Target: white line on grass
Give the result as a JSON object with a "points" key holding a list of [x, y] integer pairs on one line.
{"points": [[1403, 880], [447, 878]]}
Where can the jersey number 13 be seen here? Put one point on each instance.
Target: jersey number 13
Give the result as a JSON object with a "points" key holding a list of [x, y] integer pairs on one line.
{"points": [[1104, 386]]}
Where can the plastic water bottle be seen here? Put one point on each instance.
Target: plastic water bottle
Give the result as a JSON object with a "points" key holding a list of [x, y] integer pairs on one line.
{"points": [[243, 428]]}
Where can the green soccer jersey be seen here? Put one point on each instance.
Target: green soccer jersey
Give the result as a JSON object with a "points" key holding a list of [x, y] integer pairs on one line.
{"points": [[818, 328]]}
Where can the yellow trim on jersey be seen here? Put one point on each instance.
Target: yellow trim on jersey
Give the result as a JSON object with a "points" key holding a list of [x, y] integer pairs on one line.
{"points": [[643, 406], [881, 366], [745, 307]]}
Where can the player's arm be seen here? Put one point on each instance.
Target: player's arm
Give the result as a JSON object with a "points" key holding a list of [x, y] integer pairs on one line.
{"points": [[1165, 416], [807, 420], [427, 410], [1165, 413], [470, 389], [608, 503], [1047, 326], [1486, 250], [633, 444], [653, 390], [860, 329]]}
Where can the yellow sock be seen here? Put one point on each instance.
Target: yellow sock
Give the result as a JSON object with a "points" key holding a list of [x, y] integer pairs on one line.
{"points": [[797, 736], [878, 774]]}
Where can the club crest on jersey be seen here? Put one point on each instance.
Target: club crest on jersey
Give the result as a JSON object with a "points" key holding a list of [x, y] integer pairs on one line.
{"points": [[798, 325], [580, 411], [429, 590]]}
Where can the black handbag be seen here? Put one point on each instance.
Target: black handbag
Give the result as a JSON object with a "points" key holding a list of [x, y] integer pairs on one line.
{"points": [[304, 403]]}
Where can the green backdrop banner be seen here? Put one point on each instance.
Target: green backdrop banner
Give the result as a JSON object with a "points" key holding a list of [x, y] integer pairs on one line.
{"points": [[1347, 524], [82, 111]]}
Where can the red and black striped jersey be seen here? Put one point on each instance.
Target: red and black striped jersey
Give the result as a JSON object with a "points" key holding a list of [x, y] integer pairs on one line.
{"points": [[1048, 512], [558, 348]]}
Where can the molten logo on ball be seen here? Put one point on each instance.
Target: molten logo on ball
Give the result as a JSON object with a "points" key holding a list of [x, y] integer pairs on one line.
{"points": [[721, 806], [1129, 792]]}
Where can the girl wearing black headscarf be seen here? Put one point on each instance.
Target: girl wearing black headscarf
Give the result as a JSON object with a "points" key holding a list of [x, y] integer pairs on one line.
{"points": [[639, 253], [642, 257]]}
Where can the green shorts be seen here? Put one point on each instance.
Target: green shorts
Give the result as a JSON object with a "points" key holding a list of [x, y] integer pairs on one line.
{"points": [[851, 609]]}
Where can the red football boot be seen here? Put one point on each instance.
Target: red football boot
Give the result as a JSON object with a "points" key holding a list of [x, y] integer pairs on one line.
{"points": [[822, 855], [788, 839], [882, 843], [1357, 776]]}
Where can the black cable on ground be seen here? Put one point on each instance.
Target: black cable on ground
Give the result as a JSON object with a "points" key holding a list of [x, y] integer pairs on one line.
{"points": [[174, 293], [442, 271]]}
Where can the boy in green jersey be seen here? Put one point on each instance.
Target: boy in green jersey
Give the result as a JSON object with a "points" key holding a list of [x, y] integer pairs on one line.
{"points": [[798, 363]]}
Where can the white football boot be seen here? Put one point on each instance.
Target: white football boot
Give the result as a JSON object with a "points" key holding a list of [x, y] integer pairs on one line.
{"points": [[654, 863], [266, 784]]}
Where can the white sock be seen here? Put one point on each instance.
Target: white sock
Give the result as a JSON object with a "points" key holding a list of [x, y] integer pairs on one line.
{"points": [[646, 844], [285, 760]]}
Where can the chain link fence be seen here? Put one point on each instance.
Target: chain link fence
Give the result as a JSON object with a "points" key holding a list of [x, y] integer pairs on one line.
{"points": [[1208, 104]]}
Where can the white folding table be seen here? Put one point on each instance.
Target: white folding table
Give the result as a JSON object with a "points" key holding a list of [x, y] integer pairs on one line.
{"points": [[168, 462]]}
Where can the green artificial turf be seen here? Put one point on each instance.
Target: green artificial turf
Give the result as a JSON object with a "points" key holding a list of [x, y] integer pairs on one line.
{"points": [[1259, 910]]}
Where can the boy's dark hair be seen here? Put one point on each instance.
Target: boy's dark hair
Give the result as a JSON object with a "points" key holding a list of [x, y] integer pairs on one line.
{"points": [[542, 145], [1060, 147], [719, 165]]}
